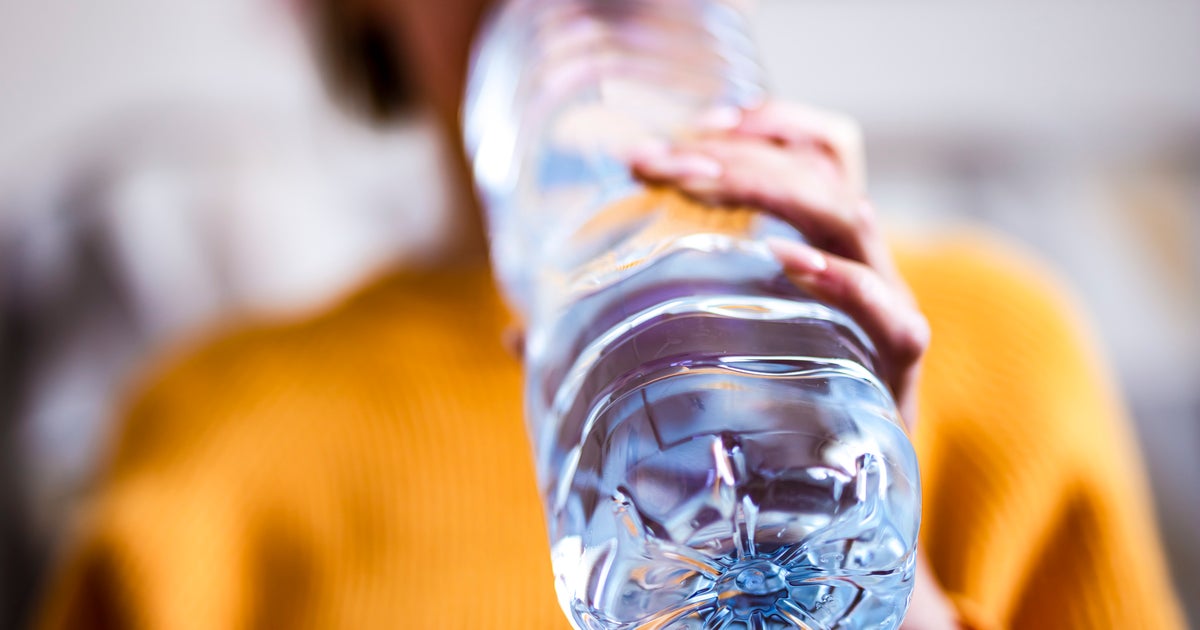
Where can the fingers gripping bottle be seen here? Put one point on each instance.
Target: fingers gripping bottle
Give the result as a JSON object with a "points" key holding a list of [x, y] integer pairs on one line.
{"points": [[715, 449]]}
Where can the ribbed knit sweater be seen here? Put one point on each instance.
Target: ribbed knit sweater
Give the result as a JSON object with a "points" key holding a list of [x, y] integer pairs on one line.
{"points": [[368, 467]]}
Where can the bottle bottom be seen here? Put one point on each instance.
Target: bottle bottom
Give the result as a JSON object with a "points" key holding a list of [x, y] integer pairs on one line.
{"points": [[757, 593], [755, 494]]}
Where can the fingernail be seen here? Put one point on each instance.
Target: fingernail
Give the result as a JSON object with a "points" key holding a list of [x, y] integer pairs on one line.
{"points": [[721, 118], [684, 165], [798, 258]]}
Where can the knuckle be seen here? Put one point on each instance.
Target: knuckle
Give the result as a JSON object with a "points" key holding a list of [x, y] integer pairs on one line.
{"points": [[864, 287], [741, 176], [857, 230], [851, 132], [912, 339], [847, 138], [866, 209], [859, 215], [845, 129]]}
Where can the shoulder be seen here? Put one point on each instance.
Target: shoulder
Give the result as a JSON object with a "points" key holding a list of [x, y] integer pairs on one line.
{"points": [[977, 271], [256, 382], [1014, 362], [1016, 407], [1005, 324], [1033, 485]]}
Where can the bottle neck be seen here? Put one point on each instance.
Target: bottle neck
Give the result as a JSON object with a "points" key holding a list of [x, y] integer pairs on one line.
{"points": [[560, 91]]}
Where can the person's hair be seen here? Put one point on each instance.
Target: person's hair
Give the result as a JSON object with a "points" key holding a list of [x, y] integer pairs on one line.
{"points": [[362, 63]]}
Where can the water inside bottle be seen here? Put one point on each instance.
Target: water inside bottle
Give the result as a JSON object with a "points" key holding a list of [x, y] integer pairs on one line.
{"points": [[714, 448], [719, 456]]}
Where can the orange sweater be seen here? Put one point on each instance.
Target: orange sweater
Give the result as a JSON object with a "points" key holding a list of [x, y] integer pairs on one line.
{"points": [[369, 468]]}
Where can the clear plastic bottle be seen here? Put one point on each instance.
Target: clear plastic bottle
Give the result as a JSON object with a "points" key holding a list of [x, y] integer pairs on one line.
{"points": [[714, 447]]}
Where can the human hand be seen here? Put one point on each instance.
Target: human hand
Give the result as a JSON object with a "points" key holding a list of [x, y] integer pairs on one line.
{"points": [[807, 167]]}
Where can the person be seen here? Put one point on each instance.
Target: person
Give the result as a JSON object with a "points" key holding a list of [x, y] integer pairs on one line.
{"points": [[369, 466]]}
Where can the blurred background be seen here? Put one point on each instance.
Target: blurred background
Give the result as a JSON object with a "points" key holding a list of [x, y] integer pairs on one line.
{"points": [[169, 166]]}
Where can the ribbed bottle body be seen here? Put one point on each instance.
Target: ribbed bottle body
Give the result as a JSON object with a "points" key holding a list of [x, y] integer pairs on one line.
{"points": [[714, 447]]}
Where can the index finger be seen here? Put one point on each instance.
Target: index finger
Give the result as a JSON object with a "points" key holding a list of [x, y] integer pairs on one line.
{"points": [[791, 124]]}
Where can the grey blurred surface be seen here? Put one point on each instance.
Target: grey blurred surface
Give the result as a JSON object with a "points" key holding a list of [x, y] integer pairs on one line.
{"points": [[165, 164]]}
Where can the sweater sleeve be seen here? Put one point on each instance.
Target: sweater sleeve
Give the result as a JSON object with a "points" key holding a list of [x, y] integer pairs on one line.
{"points": [[1098, 562], [1037, 513], [324, 473], [149, 560], [187, 530]]}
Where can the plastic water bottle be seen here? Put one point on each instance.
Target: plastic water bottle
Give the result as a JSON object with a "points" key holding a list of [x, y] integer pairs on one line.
{"points": [[714, 447]]}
